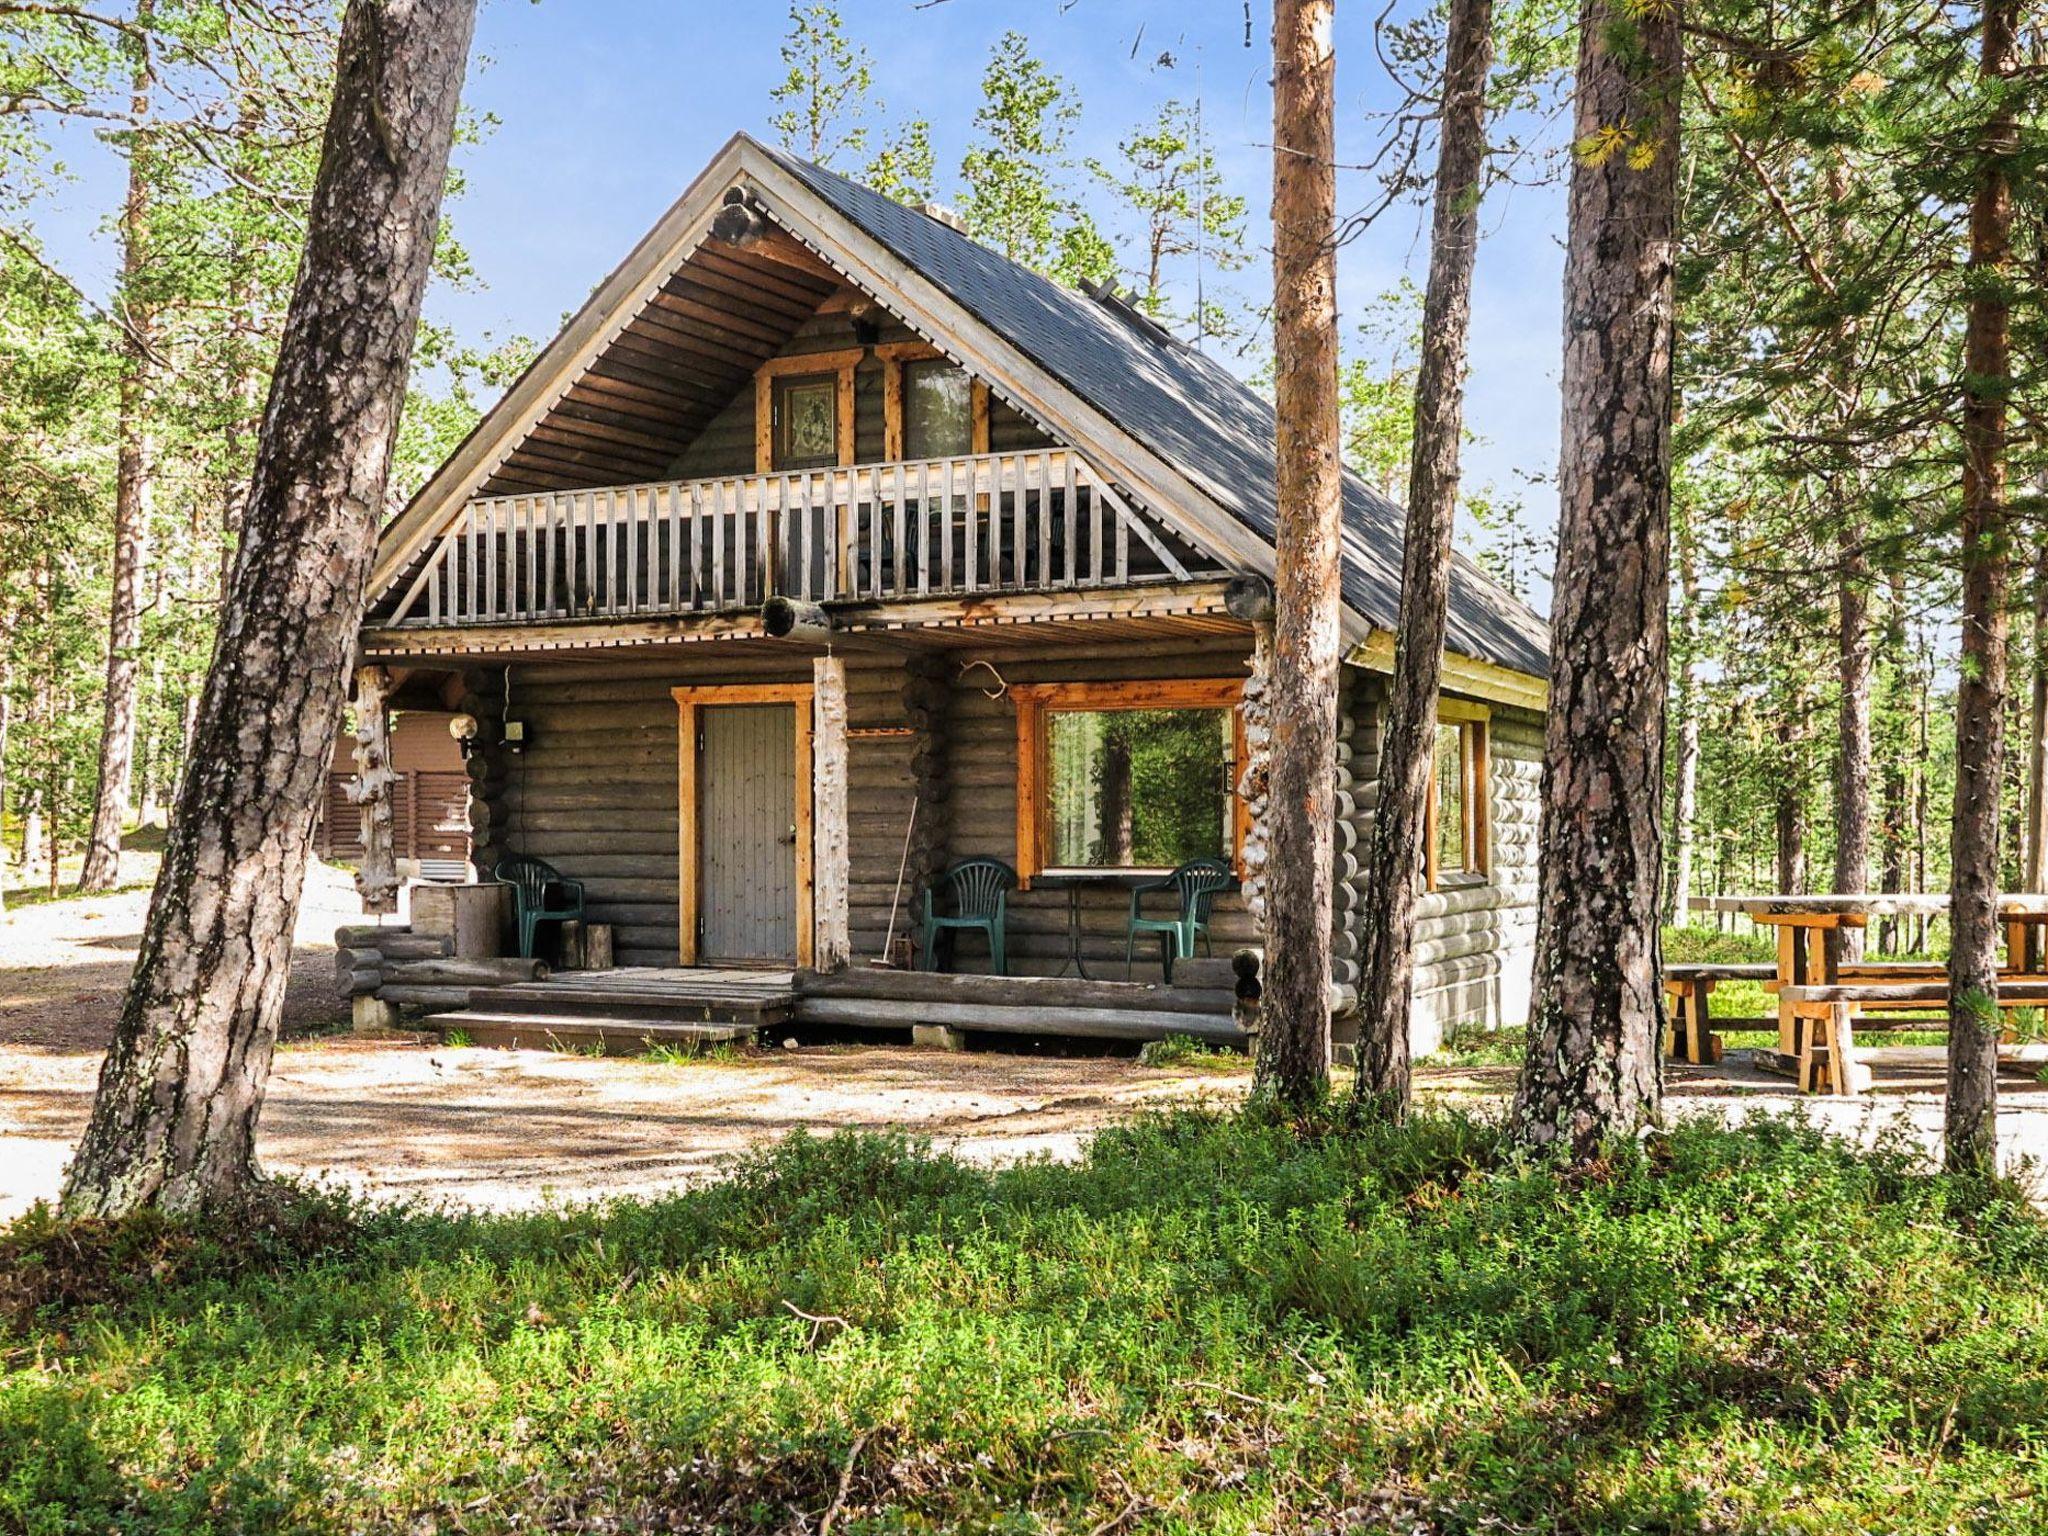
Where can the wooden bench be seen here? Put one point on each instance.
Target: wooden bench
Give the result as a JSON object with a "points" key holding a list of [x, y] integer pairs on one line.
{"points": [[1689, 1033], [1827, 1019]]}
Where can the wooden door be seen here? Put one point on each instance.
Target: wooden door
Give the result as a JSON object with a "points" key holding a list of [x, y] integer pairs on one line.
{"points": [[746, 821]]}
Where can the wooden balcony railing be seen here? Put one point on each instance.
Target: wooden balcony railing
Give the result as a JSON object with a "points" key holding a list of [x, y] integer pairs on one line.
{"points": [[990, 523]]}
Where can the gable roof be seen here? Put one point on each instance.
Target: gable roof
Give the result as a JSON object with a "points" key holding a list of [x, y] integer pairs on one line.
{"points": [[1164, 415], [1185, 406]]}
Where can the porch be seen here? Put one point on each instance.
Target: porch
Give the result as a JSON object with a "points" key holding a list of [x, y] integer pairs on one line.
{"points": [[634, 1008]]}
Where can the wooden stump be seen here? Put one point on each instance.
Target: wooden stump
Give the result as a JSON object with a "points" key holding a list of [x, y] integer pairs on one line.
{"points": [[586, 946]]}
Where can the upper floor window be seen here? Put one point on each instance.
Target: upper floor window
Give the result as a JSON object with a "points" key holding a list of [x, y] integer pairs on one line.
{"points": [[806, 421], [938, 410]]}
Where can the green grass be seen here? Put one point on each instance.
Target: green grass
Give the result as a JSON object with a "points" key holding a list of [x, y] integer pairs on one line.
{"points": [[1474, 1045], [690, 1053], [1208, 1326], [1184, 1053]]}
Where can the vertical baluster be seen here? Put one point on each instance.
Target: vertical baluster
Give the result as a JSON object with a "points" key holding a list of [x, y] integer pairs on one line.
{"points": [[1098, 547], [1070, 560], [945, 524], [877, 515], [1123, 540], [715, 535], [797, 521], [1044, 574], [970, 514], [692, 592], [434, 569], [1020, 521], [678, 545], [902, 531], [969, 539], [546, 603], [922, 549]]}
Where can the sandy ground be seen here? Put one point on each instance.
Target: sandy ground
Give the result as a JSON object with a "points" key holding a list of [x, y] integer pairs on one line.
{"points": [[513, 1129], [509, 1129]]}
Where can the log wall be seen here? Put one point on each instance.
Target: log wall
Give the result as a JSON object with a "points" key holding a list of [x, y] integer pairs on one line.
{"points": [[595, 794], [1475, 937], [726, 445]]}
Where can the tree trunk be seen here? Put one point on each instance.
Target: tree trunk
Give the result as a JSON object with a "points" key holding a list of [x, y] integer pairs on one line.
{"points": [[1294, 1042], [133, 487], [1852, 727], [174, 1121], [1685, 790], [1790, 813], [2035, 875], [1893, 798], [1408, 757], [1594, 1066], [1972, 1118]]}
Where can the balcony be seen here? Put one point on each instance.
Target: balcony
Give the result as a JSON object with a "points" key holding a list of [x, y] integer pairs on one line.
{"points": [[1036, 521]]}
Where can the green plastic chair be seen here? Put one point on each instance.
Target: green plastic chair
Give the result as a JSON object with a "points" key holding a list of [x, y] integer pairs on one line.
{"points": [[1197, 883], [980, 890], [540, 894]]}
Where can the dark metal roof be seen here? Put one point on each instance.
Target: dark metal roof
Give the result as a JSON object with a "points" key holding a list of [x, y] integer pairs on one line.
{"points": [[1183, 406]]}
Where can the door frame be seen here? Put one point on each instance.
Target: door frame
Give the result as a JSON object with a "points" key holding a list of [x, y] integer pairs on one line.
{"points": [[689, 799]]}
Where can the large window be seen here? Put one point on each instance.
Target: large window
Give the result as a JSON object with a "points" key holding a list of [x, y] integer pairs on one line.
{"points": [[938, 410], [1458, 831], [1137, 788], [1138, 775]]}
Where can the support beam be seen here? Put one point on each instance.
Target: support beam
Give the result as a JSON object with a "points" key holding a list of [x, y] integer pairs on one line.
{"points": [[377, 875], [1255, 720], [831, 868], [787, 619]]}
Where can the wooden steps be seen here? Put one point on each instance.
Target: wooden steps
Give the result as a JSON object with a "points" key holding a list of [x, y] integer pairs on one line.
{"points": [[624, 1010]]}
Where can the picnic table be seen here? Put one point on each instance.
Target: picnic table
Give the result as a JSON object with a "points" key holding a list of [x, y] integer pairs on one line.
{"points": [[1809, 956]]}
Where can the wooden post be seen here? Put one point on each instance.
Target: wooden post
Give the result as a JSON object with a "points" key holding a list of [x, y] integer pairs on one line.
{"points": [[1255, 715], [377, 875], [831, 859]]}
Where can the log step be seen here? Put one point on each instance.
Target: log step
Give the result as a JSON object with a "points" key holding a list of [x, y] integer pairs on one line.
{"points": [[1009, 1019], [543, 999], [615, 1037]]}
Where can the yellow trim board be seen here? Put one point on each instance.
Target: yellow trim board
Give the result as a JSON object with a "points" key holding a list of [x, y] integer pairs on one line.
{"points": [[1462, 674]]}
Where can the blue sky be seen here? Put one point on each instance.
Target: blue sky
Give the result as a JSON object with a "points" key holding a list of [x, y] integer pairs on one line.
{"points": [[607, 108]]}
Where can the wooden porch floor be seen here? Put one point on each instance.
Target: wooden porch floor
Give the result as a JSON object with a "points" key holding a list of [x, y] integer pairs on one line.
{"points": [[633, 1007]]}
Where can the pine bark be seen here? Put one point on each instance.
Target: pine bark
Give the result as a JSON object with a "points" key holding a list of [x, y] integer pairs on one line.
{"points": [[1294, 1042], [1972, 1112], [1594, 1067], [1853, 670], [2034, 874], [1685, 789], [174, 1120], [134, 476], [1409, 754]]}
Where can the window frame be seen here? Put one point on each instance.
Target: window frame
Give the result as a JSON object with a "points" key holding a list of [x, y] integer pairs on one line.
{"points": [[802, 365], [894, 355], [1473, 723], [1034, 701]]}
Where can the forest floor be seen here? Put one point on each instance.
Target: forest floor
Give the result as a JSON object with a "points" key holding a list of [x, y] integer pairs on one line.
{"points": [[503, 1130]]}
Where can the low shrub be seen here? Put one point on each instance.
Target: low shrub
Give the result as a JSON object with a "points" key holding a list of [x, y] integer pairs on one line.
{"points": [[1208, 1324]]}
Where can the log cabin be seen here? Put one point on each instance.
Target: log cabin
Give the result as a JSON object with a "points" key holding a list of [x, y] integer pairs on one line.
{"points": [[826, 547]]}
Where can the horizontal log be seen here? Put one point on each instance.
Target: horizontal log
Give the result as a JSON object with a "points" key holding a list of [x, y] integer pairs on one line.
{"points": [[439, 998], [366, 934], [1084, 1023], [502, 971], [921, 987]]}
